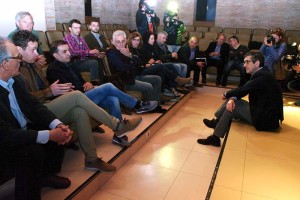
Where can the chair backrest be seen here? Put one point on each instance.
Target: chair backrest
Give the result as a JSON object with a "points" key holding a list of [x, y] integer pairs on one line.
{"points": [[103, 27], [190, 28], [110, 27], [258, 38], [244, 37], [260, 31], [215, 29], [118, 27], [53, 36], [211, 36], [201, 28], [83, 33], [43, 42], [293, 39], [198, 34], [229, 31], [203, 44], [108, 34], [290, 33], [65, 26], [84, 27], [59, 27], [125, 27], [244, 30]]}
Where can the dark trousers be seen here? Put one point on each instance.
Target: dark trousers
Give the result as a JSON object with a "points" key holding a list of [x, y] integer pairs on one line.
{"points": [[234, 64], [29, 163], [217, 63], [196, 70]]}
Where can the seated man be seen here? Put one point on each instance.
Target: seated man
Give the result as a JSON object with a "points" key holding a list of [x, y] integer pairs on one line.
{"points": [[31, 136], [188, 54], [89, 60], [216, 54], [70, 107], [123, 63], [24, 21], [94, 39], [105, 95], [235, 60], [265, 107], [167, 57]]}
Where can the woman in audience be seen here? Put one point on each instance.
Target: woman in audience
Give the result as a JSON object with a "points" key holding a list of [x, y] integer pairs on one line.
{"points": [[151, 66], [273, 48]]}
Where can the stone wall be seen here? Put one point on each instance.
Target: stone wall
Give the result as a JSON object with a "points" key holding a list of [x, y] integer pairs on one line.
{"points": [[230, 13]]}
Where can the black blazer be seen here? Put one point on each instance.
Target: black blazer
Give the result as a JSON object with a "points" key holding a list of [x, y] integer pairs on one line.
{"points": [[38, 115], [224, 50], [265, 100], [184, 54], [93, 43]]}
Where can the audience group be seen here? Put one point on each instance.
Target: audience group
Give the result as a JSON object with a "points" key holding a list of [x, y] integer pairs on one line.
{"points": [[37, 109]]}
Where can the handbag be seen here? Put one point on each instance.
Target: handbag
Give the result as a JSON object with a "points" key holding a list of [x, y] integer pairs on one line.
{"points": [[279, 70]]}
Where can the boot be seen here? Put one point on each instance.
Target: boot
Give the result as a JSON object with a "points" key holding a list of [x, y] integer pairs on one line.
{"points": [[182, 81]]}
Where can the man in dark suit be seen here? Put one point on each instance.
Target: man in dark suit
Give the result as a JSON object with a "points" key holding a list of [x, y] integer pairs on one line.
{"points": [[94, 39], [216, 54], [265, 107], [187, 54], [30, 134]]}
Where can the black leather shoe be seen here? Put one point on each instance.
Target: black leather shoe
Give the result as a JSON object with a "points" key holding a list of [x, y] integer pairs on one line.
{"points": [[54, 181], [211, 123], [210, 140], [204, 80]]}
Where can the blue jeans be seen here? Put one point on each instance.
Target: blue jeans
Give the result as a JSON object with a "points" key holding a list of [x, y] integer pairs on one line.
{"points": [[234, 64], [180, 68], [149, 85], [109, 97]]}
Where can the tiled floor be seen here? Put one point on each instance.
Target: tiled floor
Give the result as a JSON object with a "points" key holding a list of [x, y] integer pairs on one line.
{"points": [[172, 166]]}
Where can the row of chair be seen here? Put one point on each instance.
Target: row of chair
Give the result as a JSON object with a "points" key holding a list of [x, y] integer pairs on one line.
{"points": [[103, 27], [231, 30]]}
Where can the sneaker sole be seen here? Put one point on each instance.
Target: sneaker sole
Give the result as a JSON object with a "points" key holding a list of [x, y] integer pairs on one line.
{"points": [[120, 144], [96, 169], [119, 136], [145, 111]]}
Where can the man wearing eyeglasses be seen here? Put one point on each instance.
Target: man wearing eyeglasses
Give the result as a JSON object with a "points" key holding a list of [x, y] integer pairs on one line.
{"points": [[30, 135], [265, 107]]}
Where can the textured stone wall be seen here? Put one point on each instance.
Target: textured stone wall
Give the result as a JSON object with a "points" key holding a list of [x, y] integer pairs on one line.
{"points": [[258, 14], [50, 15], [230, 13]]}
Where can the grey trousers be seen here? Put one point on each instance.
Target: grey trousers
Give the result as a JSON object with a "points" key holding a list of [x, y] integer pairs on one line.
{"points": [[241, 111], [75, 107]]}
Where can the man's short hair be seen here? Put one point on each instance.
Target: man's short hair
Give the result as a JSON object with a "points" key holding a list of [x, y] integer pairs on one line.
{"points": [[54, 46], [194, 37], [94, 19], [162, 33], [3, 48], [118, 33], [256, 56], [235, 37], [21, 38], [20, 15], [73, 21]]}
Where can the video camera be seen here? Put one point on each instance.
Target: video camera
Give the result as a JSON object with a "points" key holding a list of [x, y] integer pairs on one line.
{"points": [[148, 9]]}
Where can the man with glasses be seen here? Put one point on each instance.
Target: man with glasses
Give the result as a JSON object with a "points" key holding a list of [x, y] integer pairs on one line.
{"points": [[265, 107], [31, 136]]}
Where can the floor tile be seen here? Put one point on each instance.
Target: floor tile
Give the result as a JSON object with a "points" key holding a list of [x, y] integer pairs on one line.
{"points": [[249, 196], [223, 193]]}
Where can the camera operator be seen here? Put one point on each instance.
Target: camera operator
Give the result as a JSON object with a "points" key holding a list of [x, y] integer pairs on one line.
{"points": [[273, 48], [174, 28], [146, 19]]}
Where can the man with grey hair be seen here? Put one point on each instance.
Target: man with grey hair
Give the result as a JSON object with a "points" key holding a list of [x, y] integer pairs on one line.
{"points": [[31, 136], [24, 21], [166, 56], [124, 63]]}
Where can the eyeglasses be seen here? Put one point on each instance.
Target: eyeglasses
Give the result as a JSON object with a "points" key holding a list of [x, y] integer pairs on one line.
{"points": [[120, 42], [247, 61], [137, 40], [19, 57]]}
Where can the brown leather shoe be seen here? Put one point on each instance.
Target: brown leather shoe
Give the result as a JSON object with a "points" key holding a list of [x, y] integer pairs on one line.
{"points": [[54, 181]]}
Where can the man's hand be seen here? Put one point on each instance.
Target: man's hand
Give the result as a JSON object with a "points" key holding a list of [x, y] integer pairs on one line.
{"points": [[94, 51], [87, 86], [297, 68], [125, 51], [59, 89], [214, 54], [61, 134], [41, 60], [230, 105], [101, 55], [200, 64], [151, 61], [174, 55]]}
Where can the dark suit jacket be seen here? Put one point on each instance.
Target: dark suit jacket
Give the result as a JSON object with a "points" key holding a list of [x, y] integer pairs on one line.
{"points": [[37, 113], [224, 50], [93, 43], [265, 100], [184, 54]]}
